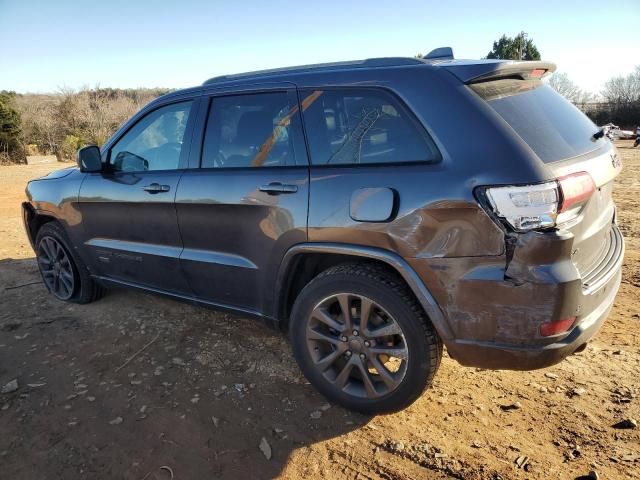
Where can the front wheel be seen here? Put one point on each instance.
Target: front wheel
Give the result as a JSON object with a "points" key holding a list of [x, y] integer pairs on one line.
{"points": [[361, 338], [63, 272]]}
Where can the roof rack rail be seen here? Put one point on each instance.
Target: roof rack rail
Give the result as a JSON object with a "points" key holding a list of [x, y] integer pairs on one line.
{"points": [[369, 62]]}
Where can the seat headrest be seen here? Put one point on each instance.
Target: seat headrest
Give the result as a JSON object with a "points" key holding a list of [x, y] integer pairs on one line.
{"points": [[254, 128]]}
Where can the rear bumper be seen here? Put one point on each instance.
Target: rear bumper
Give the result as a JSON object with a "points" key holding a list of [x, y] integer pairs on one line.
{"points": [[530, 357], [495, 318]]}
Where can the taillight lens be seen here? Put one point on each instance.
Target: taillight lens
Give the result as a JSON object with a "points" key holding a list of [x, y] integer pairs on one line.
{"points": [[575, 190], [526, 207], [542, 206]]}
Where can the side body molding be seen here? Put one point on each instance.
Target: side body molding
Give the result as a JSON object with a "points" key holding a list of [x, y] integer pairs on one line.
{"points": [[393, 260]]}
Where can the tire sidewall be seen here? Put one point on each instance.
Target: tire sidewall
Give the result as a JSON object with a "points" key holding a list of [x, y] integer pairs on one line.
{"points": [[419, 368]]}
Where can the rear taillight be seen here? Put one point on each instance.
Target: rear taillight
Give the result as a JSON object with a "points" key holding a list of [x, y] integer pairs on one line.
{"points": [[526, 207], [542, 206], [575, 190]]}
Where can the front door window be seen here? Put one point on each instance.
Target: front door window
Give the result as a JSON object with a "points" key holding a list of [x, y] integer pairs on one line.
{"points": [[154, 143]]}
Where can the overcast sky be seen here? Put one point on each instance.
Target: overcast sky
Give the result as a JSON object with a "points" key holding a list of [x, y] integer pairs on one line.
{"points": [[45, 45]]}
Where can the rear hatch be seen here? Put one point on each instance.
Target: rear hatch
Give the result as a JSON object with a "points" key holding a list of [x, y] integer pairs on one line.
{"points": [[563, 138]]}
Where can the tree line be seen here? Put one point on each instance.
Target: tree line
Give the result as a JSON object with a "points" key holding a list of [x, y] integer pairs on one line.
{"points": [[58, 124], [618, 102]]}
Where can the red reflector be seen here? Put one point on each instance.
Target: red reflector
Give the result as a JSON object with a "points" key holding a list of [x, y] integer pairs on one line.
{"points": [[576, 188], [538, 72], [554, 328]]}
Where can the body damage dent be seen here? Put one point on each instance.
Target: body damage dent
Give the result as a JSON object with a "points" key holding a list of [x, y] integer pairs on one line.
{"points": [[510, 242]]}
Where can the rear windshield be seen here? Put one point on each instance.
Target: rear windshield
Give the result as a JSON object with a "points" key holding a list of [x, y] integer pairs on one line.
{"points": [[545, 120]]}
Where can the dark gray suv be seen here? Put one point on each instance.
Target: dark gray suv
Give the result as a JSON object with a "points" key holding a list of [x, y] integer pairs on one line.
{"points": [[375, 210]]}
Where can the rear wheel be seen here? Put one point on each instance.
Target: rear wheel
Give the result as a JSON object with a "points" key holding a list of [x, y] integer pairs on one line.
{"points": [[63, 272], [362, 340]]}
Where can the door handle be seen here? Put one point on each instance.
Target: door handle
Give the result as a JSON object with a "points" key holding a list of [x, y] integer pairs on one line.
{"points": [[278, 188], [156, 188]]}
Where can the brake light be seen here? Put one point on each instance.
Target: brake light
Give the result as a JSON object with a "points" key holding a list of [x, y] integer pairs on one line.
{"points": [[576, 190], [542, 206], [554, 328]]}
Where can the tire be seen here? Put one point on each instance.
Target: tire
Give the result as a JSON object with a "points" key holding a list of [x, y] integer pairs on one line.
{"points": [[75, 284], [324, 347]]}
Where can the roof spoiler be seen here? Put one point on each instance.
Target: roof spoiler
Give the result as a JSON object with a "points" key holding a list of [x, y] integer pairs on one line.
{"points": [[483, 70]]}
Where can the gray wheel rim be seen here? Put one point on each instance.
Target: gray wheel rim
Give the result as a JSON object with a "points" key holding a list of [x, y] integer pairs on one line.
{"points": [[357, 346], [56, 268]]}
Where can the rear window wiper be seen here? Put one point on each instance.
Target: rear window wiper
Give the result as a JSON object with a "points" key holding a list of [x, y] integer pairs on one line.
{"points": [[599, 134]]}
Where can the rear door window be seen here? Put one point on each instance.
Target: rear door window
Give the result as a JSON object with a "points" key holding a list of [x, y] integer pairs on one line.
{"points": [[253, 130], [551, 125], [362, 126]]}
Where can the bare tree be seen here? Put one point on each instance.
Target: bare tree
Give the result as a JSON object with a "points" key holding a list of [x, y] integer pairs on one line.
{"points": [[623, 91], [40, 124], [60, 123], [562, 84]]}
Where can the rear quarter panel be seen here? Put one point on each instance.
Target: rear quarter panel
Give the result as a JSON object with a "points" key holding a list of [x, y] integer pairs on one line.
{"points": [[437, 214], [433, 216]]}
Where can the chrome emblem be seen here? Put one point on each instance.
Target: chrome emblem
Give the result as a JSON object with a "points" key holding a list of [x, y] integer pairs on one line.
{"points": [[615, 161]]}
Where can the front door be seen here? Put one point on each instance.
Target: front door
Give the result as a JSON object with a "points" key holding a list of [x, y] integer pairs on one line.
{"points": [[128, 211], [245, 202]]}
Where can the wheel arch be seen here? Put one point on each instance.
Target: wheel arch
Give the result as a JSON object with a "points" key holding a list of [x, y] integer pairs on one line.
{"points": [[303, 262], [34, 220]]}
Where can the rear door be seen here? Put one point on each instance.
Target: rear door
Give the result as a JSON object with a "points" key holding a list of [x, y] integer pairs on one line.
{"points": [[128, 212], [244, 203]]}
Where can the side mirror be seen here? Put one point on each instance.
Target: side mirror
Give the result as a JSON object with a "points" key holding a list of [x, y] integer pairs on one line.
{"points": [[130, 162], [89, 159]]}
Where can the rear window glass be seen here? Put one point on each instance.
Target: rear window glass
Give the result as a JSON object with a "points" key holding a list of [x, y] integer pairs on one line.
{"points": [[553, 127], [362, 126]]}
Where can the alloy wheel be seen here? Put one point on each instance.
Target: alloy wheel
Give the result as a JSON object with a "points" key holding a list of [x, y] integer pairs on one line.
{"points": [[357, 346], [55, 266]]}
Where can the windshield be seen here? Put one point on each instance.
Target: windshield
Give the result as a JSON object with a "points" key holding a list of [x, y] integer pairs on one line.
{"points": [[553, 127]]}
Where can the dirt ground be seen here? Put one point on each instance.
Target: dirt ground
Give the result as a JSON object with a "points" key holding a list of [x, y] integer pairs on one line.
{"points": [[199, 400]]}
